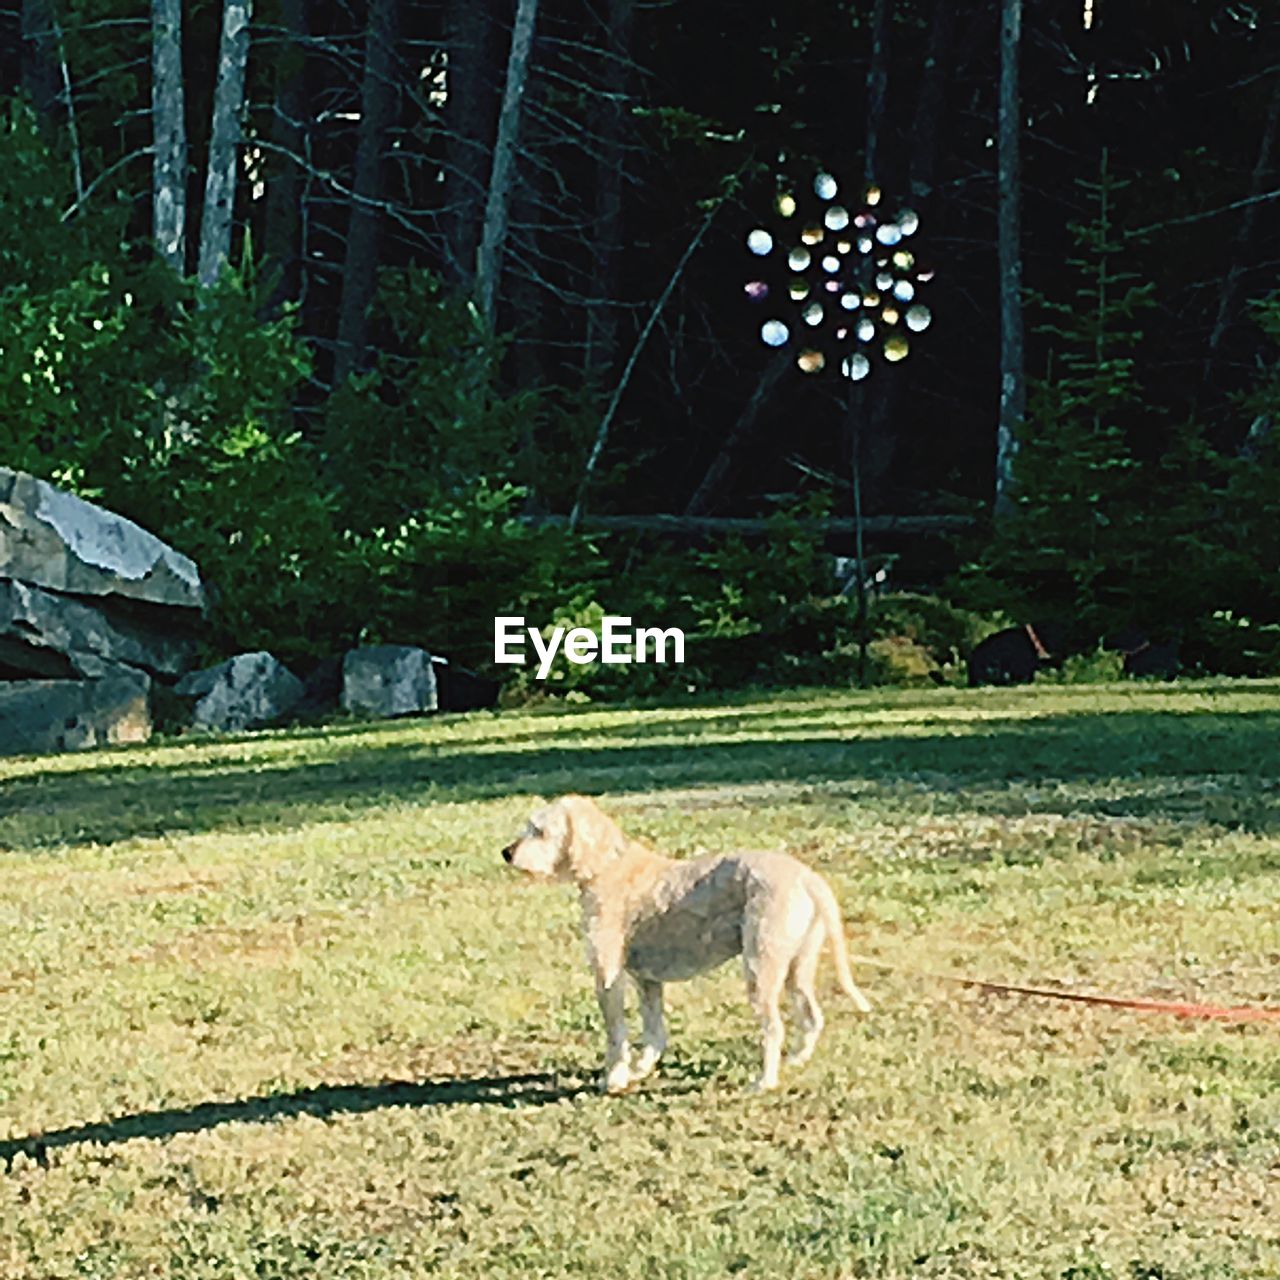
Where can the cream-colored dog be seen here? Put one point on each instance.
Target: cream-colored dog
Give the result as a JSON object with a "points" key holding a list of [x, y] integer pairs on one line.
{"points": [[662, 920]]}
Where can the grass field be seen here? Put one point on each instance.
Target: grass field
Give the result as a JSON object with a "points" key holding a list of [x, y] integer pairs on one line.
{"points": [[274, 1007]]}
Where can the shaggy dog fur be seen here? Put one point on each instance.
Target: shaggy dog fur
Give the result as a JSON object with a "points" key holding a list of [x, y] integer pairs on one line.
{"points": [[660, 920]]}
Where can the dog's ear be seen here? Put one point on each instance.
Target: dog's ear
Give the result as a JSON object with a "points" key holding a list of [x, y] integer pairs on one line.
{"points": [[592, 836]]}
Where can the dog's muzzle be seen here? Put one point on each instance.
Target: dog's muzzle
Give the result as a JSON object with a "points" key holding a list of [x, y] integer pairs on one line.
{"points": [[508, 853]]}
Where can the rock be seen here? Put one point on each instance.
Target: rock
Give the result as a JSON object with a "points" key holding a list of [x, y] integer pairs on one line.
{"points": [[458, 689], [388, 680], [38, 716], [52, 539], [245, 692], [43, 634]]}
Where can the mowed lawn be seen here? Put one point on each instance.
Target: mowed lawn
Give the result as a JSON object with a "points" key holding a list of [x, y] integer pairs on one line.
{"points": [[274, 1006]]}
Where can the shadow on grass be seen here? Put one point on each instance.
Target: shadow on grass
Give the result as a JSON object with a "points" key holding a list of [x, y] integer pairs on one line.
{"points": [[323, 1101], [1145, 749]]}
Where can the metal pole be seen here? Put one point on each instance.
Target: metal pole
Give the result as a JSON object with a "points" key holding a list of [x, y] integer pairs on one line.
{"points": [[860, 567]]}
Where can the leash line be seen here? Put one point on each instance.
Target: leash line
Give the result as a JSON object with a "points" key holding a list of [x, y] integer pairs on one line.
{"points": [[1177, 1008]]}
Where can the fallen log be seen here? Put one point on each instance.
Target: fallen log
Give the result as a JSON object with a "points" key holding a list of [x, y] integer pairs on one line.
{"points": [[693, 526]]}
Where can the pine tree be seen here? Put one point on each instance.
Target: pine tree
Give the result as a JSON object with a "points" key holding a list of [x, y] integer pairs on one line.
{"points": [[1075, 543]]}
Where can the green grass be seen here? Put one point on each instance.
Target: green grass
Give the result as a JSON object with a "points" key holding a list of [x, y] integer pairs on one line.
{"points": [[274, 1007]]}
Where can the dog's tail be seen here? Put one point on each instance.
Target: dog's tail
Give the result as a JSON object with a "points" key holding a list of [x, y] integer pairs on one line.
{"points": [[829, 913]]}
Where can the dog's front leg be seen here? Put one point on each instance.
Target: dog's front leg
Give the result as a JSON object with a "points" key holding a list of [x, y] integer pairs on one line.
{"points": [[611, 992], [655, 1031]]}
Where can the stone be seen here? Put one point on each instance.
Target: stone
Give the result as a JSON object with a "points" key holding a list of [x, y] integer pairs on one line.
{"points": [[248, 691], [41, 716], [46, 635], [50, 538], [388, 680]]}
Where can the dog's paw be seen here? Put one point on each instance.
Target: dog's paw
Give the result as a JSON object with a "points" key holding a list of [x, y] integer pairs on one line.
{"points": [[764, 1085], [617, 1079], [645, 1064]]}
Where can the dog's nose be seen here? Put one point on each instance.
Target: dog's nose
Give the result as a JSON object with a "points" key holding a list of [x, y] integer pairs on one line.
{"points": [[508, 853]]}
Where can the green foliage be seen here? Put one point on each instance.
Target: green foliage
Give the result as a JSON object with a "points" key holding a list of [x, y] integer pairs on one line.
{"points": [[426, 455], [170, 405], [945, 631], [414, 433], [1111, 523], [442, 576], [1100, 666], [1248, 522], [175, 406], [763, 612], [221, 470]]}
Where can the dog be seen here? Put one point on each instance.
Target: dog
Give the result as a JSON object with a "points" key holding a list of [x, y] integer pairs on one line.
{"points": [[660, 920], [1014, 655], [1144, 657]]}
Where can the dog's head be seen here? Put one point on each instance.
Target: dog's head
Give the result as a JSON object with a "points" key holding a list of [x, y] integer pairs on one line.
{"points": [[564, 840]]}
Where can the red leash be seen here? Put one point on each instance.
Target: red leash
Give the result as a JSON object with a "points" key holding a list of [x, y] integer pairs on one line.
{"points": [[1178, 1008]]}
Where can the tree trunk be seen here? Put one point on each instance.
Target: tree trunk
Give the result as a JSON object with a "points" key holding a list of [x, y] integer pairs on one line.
{"points": [[498, 199], [602, 318], [1228, 299], [528, 297], [283, 229], [927, 125], [224, 140], [602, 432], [169, 131], [877, 88], [1013, 388], [40, 55], [378, 96], [471, 114]]}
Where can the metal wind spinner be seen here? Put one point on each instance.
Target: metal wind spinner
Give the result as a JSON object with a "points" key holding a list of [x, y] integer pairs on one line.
{"points": [[846, 280]]}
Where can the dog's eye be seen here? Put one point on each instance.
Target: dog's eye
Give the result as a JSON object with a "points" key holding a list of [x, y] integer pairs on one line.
{"points": [[535, 832]]}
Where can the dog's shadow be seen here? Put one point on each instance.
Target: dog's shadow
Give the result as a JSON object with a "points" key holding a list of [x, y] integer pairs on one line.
{"points": [[323, 1101]]}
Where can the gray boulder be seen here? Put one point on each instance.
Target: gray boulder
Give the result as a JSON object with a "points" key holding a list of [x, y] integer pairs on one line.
{"points": [[388, 680], [40, 716], [52, 539], [245, 692], [44, 634]]}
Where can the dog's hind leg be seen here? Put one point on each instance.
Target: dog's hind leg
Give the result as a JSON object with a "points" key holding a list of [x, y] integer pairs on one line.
{"points": [[765, 977], [654, 1039], [801, 984]]}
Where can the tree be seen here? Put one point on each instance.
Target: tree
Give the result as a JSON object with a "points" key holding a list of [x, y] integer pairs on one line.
{"points": [[1095, 532], [1013, 392], [1229, 298], [470, 74], [378, 95], [285, 162], [502, 175], [169, 131], [224, 141], [601, 348], [927, 124], [40, 55]]}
